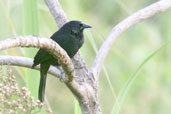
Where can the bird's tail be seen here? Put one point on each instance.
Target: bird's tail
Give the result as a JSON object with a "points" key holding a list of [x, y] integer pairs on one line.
{"points": [[43, 73]]}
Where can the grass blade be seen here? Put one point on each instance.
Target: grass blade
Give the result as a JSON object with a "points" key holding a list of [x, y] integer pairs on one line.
{"points": [[77, 109], [129, 83], [30, 27]]}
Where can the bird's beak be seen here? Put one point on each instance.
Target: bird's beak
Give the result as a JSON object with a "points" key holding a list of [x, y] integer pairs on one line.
{"points": [[86, 26]]}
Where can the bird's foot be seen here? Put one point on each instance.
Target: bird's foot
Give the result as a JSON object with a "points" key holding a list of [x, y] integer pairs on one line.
{"points": [[62, 75]]}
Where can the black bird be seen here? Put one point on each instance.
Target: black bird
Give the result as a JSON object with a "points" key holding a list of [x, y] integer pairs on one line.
{"points": [[70, 38]]}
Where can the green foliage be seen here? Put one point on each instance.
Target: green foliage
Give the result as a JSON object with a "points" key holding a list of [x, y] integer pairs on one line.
{"points": [[30, 17]]}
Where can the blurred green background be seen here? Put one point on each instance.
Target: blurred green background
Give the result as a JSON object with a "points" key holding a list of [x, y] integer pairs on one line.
{"points": [[134, 80]]}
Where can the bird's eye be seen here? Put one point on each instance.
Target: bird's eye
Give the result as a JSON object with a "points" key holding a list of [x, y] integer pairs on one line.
{"points": [[81, 25]]}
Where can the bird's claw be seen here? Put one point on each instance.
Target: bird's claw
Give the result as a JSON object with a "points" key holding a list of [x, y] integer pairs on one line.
{"points": [[62, 75]]}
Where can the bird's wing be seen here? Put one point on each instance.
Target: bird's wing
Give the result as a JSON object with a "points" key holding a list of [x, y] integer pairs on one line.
{"points": [[61, 39], [68, 42], [43, 56], [40, 57]]}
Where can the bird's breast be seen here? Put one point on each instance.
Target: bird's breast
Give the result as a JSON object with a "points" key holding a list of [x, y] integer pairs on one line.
{"points": [[81, 41]]}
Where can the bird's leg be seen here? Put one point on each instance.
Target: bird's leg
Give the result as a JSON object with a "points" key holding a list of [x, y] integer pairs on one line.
{"points": [[62, 74]]}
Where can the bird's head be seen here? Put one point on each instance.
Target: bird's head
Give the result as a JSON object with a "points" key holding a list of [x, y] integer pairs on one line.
{"points": [[75, 27]]}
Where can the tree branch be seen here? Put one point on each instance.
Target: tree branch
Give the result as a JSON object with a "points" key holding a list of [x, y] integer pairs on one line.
{"points": [[54, 49], [26, 62], [82, 90], [57, 12], [87, 91], [49, 45], [135, 18]]}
